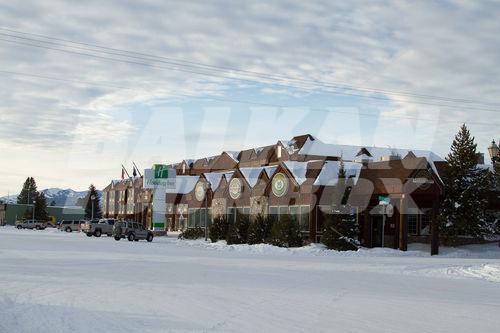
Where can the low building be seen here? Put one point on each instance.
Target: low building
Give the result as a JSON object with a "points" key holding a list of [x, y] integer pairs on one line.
{"points": [[298, 177], [10, 213]]}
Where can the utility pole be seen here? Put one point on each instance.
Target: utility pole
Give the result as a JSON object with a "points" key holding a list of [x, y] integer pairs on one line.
{"points": [[206, 210], [92, 197]]}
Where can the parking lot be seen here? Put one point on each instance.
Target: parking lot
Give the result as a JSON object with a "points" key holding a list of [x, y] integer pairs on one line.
{"points": [[52, 281]]}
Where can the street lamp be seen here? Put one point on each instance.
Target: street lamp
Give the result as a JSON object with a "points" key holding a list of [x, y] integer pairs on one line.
{"points": [[92, 197], [493, 150], [207, 188], [34, 202]]}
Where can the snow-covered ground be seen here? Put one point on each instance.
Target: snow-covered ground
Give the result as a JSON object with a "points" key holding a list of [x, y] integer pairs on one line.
{"points": [[52, 281]]}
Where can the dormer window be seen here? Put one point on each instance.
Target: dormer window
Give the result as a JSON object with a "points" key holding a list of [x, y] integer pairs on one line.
{"points": [[183, 168]]}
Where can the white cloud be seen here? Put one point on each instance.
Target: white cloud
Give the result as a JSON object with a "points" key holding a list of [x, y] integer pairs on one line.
{"points": [[446, 48]]}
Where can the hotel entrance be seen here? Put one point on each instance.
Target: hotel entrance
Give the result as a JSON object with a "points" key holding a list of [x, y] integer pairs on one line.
{"points": [[377, 229]]}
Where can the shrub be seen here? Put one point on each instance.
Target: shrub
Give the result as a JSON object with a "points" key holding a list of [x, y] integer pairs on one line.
{"points": [[218, 229], [192, 233], [259, 230], [285, 232], [340, 232], [238, 231]]}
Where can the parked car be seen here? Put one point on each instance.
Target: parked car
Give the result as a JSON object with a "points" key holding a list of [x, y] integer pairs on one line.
{"points": [[98, 227], [133, 231], [70, 225], [31, 224]]}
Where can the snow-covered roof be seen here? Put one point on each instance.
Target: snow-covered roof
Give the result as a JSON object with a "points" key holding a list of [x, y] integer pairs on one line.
{"points": [[214, 179], [233, 154], [258, 150], [330, 172], [289, 145], [184, 184], [298, 170], [270, 170], [355, 153], [251, 174], [228, 174]]}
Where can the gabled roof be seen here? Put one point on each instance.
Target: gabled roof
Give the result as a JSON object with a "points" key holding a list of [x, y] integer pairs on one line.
{"points": [[258, 153], [204, 162], [388, 176], [233, 154]]}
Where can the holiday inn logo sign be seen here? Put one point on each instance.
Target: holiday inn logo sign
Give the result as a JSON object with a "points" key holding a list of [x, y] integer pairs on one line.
{"points": [[159, 176], [161, 171]]}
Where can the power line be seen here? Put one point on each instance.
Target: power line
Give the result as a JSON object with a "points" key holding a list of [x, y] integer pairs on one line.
{"points": [[181, 62], [177, 93], [232, 78], [262, 76]]}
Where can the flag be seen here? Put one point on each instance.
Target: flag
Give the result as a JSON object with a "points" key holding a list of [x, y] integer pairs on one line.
{"points": [[134, 173]]}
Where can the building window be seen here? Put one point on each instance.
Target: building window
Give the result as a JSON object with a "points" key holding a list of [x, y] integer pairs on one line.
{"points": [[273, 213], [412, 224], [425, 223], [299, 214], [304, 218], [234, 212], [196, 217]]}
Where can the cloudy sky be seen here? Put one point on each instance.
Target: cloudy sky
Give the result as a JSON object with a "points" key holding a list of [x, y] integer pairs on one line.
{"points": [[87, 86]]}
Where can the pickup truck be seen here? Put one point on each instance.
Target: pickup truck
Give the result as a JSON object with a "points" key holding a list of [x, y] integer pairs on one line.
{"points": [[31, 224], [97, 228]]}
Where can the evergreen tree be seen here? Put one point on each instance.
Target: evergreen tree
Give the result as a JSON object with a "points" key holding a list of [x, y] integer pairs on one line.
{"points": [[88, 203], [259, 230], [218, 229], [340, 187], [238, 231], [340, 230], [463, 210], [28, 193], [41, 207], [285, 232]]}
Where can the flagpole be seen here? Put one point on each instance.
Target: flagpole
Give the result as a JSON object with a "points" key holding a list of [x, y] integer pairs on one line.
{"points": [[137, 168], [124, 169]]}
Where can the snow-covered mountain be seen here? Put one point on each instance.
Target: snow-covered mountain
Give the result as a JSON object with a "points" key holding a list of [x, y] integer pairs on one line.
{"points": [[67, 197]]}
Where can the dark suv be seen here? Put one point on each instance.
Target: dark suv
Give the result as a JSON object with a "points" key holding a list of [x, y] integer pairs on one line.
{"points": [[133, 231]]}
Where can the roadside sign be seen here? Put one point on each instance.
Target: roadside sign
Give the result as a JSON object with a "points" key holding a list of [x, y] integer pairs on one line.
{"points": [[383, 200], [389, 210]]}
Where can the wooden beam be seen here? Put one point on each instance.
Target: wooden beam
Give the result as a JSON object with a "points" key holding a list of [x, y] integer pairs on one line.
{"points": [[434, 229], [403, 230]]}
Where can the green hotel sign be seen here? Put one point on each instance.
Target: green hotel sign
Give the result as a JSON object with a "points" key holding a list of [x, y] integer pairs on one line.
{"points": [[160, 171], [159, 176]]}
